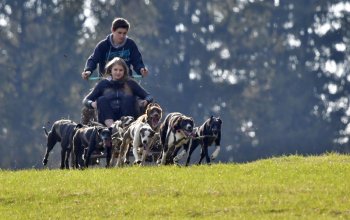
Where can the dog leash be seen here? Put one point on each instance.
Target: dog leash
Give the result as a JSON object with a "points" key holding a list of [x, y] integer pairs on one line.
{"points": [[202, 137]]}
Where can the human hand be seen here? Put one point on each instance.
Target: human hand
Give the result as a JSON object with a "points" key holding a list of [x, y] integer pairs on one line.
{"points": [[85, 74], [143, 103], [144, 72], [94, 105]]}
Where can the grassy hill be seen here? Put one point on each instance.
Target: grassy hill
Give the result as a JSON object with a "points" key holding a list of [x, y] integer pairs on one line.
{"points": [[291, 187]]}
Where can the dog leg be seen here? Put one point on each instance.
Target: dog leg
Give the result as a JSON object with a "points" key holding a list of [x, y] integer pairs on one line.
{"points": [[145, 153], [207, 158], [164, 155], [68, 153], [178, 157], [122, 152], [135, 145], [63, 157], [193, 146], [202, 156], [166, 141], [51, 141], [108, 155], [215, 154], [78, 154]]}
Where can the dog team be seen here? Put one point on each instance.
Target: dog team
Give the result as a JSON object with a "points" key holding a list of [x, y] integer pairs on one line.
{"points": [[137, 137]]}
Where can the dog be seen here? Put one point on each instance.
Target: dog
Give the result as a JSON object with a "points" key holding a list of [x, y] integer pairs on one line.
{"points": [[61, 131], [88, 139], [140, 135], [205, 135], [152, 116], [118, 129], [175, 131]]}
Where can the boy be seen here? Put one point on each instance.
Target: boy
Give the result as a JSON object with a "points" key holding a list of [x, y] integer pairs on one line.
{"points": [[116, 44]]}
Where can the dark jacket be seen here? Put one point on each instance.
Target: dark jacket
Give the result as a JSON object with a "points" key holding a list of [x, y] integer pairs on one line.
{"points": [[121, 96], [105, 51]]}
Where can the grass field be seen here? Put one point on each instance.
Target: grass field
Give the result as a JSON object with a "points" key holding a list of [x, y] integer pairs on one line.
{"points": [[291, 187]]}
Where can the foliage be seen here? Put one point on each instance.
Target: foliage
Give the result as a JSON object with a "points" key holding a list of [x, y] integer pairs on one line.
{"points": [[277, 188]]}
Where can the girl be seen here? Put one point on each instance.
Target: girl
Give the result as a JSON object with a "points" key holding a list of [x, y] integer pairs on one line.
{"points": [[115, 96]]}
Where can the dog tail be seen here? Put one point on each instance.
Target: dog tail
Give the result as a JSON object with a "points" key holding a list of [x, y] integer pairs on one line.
{"points": [[46, 133]]}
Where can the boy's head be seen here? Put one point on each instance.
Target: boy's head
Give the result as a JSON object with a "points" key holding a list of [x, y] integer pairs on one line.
{"points": [[120, 23], [120, 28]]}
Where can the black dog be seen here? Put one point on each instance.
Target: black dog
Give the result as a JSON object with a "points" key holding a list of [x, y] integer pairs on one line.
{"points": [[89, 139], [175, 131], [207, 134], [61, 131]]}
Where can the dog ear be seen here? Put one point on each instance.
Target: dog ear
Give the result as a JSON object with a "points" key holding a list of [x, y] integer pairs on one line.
{"points": [[79, 126], [192, 121], [219, 120], [155, 104], [99, 129], [177, 122], [153, 132]]}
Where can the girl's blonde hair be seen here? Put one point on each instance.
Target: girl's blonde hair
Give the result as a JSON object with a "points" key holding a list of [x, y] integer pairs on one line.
{"points": [[115, 61]]}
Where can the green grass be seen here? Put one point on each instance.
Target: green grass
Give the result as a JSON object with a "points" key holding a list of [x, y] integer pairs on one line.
{"points": [[291, 187]]}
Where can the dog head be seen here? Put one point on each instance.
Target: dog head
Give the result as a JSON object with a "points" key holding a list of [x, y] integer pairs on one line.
{"points": [[126, 121], [119, 126], [146, 134], [105, 134], [184, 124], [153, 114], [213, 125]]}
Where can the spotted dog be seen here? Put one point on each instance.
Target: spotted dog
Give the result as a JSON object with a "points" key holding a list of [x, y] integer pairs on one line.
{"points": [[153, 116], [140, 135], [118, 129], [61, 131], [206, 135], [175, 131], [88, 139]]}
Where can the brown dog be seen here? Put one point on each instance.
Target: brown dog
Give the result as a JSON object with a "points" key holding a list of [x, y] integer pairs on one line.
{"points": [[152, 116]]}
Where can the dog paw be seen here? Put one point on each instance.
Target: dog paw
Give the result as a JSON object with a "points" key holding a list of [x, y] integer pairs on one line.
{"points": [[126, 161], [45, 162], [177, 164], [137, 162]]}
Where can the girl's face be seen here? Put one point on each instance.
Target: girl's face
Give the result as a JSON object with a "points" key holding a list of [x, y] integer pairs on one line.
{"points": [[117, 72]]}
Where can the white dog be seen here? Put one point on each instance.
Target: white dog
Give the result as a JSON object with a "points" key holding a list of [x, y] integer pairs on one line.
{"points": [[140, 135]]}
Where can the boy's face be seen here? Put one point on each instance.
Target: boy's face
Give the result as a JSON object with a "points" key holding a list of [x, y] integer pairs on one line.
{"points": [[119, 35]]}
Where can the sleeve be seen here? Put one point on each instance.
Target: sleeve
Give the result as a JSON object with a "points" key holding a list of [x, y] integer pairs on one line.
{"points": [[136, 58], [139, 91], [93, 94], [95, 58]]}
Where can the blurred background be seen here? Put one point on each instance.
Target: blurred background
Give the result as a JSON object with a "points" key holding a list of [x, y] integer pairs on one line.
{"points": [[276, 72]]}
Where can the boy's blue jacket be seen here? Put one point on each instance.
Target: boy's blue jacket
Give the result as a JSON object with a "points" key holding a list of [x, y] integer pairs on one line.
{"points": [[105, 51]]}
